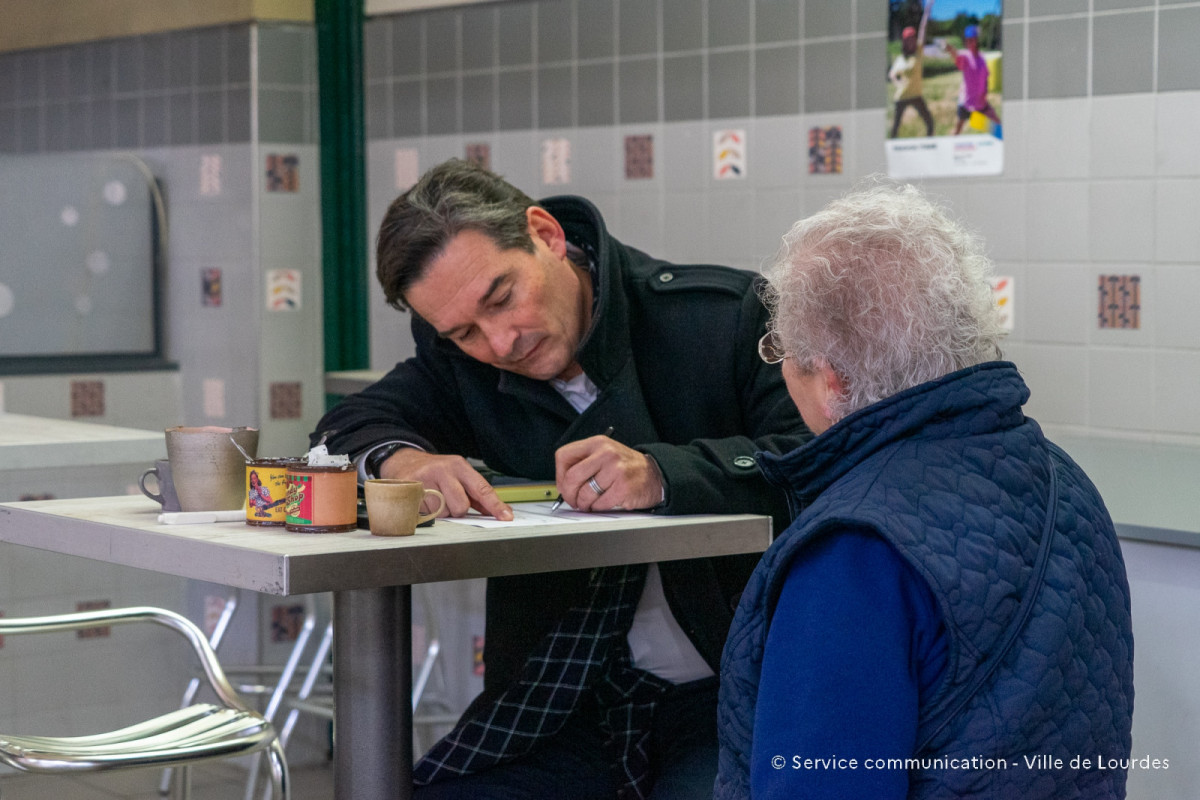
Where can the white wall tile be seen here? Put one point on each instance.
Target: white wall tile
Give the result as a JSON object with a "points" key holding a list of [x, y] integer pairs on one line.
{"points": [[1177, 232], [1120, 389], [1122, 226], [597, 160], [436, 149], [781, 152], [1057, 303], [1056, 221], [515, 155], [997, 211], [685, 156], [1176, 123], [640, 221], [1177, 305], [1058, 383], [1120, 135], [864, 152], [685, 220], [730, 230], [774, 214], [1059, 138], [1177, 389], [1016, 139]]}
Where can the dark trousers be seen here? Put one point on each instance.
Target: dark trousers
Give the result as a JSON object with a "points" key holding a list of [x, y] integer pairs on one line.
{"points": [[572, 764], [923, 110]]}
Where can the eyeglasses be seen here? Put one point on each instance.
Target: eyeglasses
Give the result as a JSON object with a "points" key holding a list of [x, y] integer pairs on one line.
{"points": [[769, 349]]}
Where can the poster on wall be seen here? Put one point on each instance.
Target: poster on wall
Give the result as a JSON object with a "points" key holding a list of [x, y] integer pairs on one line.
{"points": [[944, 112]]}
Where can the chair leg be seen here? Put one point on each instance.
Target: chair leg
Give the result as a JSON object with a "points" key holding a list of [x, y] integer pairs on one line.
{"points": [[181, 783], [281, 787], [285, 680], [189, 694]]}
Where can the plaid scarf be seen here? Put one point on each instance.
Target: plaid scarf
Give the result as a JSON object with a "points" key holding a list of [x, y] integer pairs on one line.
{"points": [[587, 650]]}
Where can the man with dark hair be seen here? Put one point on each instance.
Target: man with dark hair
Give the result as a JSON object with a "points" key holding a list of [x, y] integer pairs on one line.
{"points": [[537, 334]]}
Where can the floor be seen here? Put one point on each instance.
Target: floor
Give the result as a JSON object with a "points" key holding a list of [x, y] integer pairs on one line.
{"points": [[219, 781]]}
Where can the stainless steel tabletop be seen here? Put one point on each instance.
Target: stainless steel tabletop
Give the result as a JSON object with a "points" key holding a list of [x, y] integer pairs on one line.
{"points": [[351, 380], [125, 530], [29, 442], [371, 580]]}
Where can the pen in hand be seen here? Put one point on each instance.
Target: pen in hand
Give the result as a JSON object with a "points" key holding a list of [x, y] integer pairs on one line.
{"points": [[558, 503]]}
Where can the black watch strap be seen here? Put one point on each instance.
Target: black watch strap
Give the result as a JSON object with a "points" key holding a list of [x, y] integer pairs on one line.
{"points": [[376, 457]]}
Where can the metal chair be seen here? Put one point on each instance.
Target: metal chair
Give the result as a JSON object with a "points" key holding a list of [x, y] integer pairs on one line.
{"points": [[200, 732], [314, 695]]}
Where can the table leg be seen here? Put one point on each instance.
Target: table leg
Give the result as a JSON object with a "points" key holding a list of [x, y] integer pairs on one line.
{"points": [[372, 693]]}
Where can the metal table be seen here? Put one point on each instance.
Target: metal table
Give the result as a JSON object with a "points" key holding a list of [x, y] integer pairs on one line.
{"points": [[29, 442], [351, 380], [371, 580]]}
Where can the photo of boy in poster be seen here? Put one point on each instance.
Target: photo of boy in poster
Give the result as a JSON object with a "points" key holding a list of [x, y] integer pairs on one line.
{"points": [[945, 65]]}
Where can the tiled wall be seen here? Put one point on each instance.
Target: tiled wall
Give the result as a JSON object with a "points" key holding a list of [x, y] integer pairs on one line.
{"points": [[226, 120], [182, 88], [209, 110], [1102, 176]]}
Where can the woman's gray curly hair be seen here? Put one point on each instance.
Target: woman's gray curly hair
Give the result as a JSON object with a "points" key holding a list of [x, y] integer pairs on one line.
{"points": [[888, 290]]}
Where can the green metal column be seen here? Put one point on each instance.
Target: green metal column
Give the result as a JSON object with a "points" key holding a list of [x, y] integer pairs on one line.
{"points": [[343, 182]]}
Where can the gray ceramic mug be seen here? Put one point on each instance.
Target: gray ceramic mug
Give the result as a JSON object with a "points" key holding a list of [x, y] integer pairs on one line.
{"points": [[208, 471], [166, 486]]}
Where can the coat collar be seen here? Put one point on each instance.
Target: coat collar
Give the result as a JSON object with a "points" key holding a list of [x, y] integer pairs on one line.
{"points": [[606, 346], [983, 398]]}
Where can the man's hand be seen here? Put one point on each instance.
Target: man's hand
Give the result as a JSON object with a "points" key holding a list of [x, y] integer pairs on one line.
{"points": [[628, 480], [463, 487]]}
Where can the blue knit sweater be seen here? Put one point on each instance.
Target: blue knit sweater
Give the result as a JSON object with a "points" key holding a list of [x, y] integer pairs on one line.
{"points": [[1015, 549]]}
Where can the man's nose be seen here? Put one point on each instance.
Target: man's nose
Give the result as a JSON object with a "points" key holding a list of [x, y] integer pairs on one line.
{"points": [[501, 338]]}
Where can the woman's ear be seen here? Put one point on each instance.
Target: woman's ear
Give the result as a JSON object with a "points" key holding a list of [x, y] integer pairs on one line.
{"points": [[544, 228], [834, 387]]}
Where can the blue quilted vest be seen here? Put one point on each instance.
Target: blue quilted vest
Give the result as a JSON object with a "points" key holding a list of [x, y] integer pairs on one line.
{"points": [[1021, 556]]}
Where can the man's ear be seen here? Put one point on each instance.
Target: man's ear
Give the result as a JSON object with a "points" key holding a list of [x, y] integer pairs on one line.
{"points": [[543, 227]]}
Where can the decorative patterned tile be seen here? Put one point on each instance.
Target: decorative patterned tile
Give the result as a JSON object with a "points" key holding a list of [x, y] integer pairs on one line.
{"points": [[87, 398], [729, 154], [1120, 301], [405, 168], [479, 154], [210, 175], [639, 157], [213, 391], [284, 289], [99, 632], [286, 621], [477, 655], [210, 287], [825, 150], [285, 400], [556, 161], [283, 173], [1002, 291], [214, 607]]}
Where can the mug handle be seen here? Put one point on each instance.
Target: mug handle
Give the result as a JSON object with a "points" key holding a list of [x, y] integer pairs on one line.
{"points": [[442, 504], [158, 498]]}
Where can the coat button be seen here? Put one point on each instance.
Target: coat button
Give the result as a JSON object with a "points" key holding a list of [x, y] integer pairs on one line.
{"points": [[745, 462], [666, 277]]}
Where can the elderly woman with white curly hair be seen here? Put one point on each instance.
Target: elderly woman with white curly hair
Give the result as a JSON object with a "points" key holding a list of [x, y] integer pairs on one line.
{"points": [[948, 614]]}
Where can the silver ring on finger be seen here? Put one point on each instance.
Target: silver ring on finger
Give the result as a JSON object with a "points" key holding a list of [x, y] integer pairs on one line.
{"points": [[595, 487]]}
